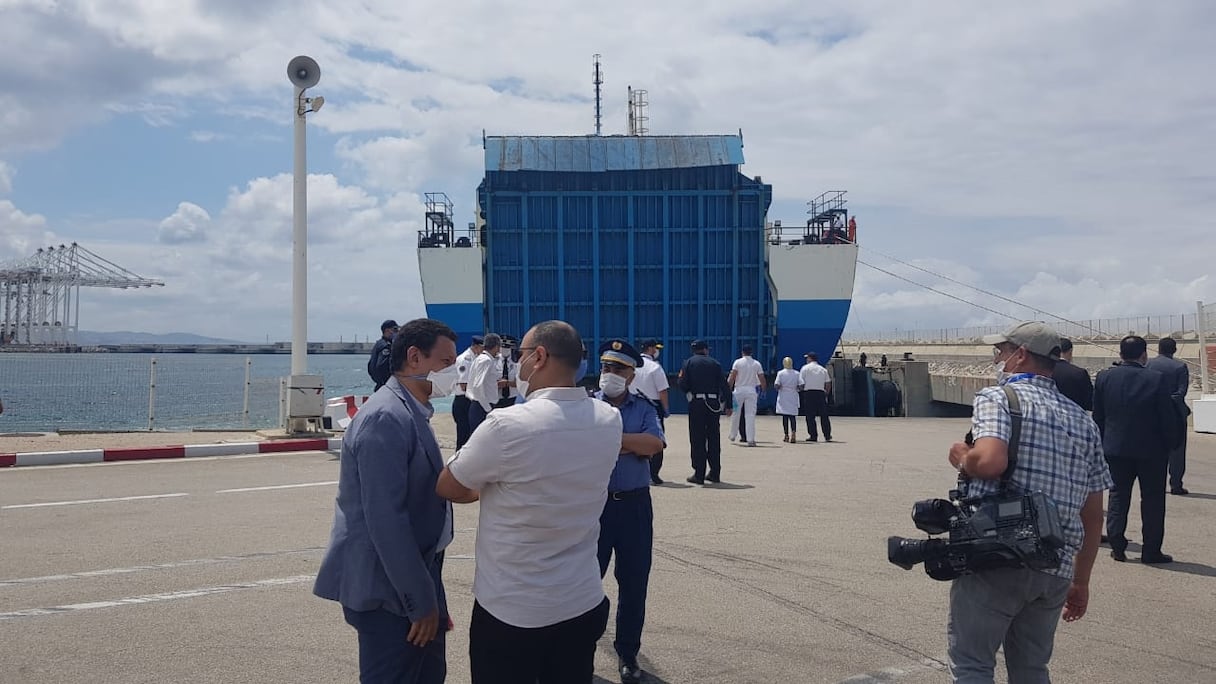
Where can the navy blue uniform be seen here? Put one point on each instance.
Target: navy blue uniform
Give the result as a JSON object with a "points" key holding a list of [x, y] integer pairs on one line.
{"points": [[627, 528], [702, 378]]}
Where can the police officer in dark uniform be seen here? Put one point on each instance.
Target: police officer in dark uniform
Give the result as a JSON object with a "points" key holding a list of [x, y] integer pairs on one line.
{"points": [[627, 523], [703, 383]]}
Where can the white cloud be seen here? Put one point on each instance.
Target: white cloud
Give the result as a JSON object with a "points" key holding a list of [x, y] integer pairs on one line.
{"points": [[21, 233], [187, 224], [1031, 149], [6, 178]]}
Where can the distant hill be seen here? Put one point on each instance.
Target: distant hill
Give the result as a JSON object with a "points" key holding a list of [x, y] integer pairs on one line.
{"points": [[90, 338]]}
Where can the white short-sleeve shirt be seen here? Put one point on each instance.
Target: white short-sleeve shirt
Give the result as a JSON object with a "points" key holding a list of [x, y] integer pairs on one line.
{"points": [[464, 363], [814, 376], [542, 468], [747, 372], [650, 379]]}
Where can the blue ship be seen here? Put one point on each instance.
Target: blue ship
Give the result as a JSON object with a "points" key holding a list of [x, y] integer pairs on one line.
{"points": [[637, 237]]}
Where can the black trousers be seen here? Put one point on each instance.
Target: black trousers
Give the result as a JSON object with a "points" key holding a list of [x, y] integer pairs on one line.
{"points": [[627, 530], [460, 414], [814, 403], [1178, 463], [656, 461], [706, 438], [563, 653], [1151, 474]]}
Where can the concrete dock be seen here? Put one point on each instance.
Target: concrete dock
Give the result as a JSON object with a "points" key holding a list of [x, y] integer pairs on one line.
{"points": [[200, 571]]}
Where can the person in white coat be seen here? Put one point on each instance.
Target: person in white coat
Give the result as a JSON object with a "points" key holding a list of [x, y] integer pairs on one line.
{"points": [[746, 374], [788, 384]]}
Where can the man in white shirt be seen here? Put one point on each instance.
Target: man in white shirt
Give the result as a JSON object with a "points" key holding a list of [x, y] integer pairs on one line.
{"points": [[816, 386], [485, 381], [460, 400], [541, 471], [651, 381], [745, 375]]}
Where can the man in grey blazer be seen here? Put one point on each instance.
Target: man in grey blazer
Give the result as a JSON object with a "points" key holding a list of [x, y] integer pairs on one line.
{"points": [[385, 554], [1178, 377], [1139, 426]]}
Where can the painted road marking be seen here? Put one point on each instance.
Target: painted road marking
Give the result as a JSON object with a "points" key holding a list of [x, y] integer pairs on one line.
{"points": [[93, 501], [106, 572], [286, 486], [155, 598]]}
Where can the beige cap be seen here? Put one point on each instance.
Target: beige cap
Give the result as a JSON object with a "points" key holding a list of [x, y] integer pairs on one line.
{"points": [[1037, 337]]}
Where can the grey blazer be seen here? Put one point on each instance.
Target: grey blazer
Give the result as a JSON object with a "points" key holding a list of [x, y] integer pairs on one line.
{"points": [[388, 519]]}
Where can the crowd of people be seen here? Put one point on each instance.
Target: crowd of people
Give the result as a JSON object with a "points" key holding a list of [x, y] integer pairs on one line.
{"points": [[563, 478]]}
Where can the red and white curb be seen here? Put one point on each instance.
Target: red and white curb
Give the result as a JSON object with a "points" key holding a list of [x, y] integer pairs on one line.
{"points": [[42, 458]]}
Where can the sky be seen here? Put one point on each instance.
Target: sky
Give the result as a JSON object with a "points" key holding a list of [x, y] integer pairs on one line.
{"points": [[1059, 154]]}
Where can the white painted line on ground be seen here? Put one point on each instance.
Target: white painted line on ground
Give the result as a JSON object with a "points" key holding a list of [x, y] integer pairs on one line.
{"points": [[155, 598], [93, 501], [286, 486], [107, 572]]}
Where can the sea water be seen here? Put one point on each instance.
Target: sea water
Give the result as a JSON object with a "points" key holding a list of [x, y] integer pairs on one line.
{"points": [[49, 392]]}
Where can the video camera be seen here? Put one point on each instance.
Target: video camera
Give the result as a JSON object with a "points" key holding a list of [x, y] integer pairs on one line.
{"points": [[1008, 529]]}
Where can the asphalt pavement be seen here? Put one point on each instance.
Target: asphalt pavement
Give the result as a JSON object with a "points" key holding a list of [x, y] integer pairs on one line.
{"points": [[200, 570]]}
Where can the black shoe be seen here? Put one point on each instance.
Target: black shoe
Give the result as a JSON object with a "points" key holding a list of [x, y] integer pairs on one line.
{"points": [[1119, 555], [1156, 558], [630, 673], [713, 479], [655, 479], [827, 439], [814, 439], [1179, 491], [695, 480]]}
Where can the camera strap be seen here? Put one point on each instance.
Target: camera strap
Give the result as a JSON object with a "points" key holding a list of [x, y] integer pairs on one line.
{"points": [[1015, 433]]}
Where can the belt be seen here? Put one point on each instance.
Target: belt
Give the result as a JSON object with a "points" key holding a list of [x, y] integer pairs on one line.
{"points": [[704, 396], [628, 494]]}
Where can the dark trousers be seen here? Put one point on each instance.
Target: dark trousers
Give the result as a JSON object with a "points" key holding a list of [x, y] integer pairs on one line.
{"points": [[627, 528], [706, 439], [1151, 474], [460, 414], [656, 461], [558, 654], [1178, 463], [385, 657], [814, 403], [789, 424], [476, 415]]}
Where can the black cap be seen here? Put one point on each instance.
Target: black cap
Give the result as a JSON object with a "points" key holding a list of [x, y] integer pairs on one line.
{"points": [[698, 345], [478, 339], [390, 323], [620, 351], [650, 342]]}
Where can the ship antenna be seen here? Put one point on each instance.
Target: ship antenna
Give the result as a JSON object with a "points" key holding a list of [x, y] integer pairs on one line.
{"points": [[599, 81]]}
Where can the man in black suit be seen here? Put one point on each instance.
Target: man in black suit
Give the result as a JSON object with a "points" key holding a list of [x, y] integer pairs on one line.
{"points": [[1178, 379], [1139, 426], [1072, 381]]}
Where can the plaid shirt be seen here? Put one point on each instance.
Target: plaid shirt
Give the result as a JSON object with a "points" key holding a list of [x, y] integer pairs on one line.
{"points": [[1059, 452]]}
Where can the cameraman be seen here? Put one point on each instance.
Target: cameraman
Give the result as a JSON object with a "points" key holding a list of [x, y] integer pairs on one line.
{"points": [[1059, 453]]}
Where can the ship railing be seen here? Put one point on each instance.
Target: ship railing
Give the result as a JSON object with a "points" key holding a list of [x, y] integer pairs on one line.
{"points": [[811, 234], [450, 237]]}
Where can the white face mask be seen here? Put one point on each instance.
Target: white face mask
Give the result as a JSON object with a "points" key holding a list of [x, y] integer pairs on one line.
{"points": [[443, 382], [613, 385], [520, 383]]}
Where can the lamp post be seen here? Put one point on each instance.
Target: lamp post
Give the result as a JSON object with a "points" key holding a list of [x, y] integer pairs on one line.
{"points": [[303, 393]]}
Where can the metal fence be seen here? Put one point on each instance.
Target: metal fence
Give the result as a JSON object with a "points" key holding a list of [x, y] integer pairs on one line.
{"points": [[1206, 315], [1099, 328], [45, 392]]}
